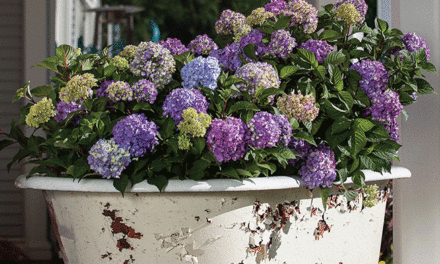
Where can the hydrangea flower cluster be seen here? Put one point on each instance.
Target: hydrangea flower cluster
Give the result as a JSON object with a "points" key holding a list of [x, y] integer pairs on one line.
{"points": [[194, 124], [108, 159], [276, 7], [265, 130], [64, 109], [228, 58], [119, 91], [374, 76], [281, 43], [319, 47], [128, 52], [40, 113], [302, 147], [154, 62], [144, 91], [258, 16], [286, 129], [78, 88], [349, 14], [256, 75], [202, 45], [303, 14], [227, 139], [232, 23], [119, 62], [102, 90], [370, 195], [182, 98], [201, 71], [385, 108], [254, 37], [136, 134], [413, 42], [175, 46], [360, 5], [319, 168], [298, 106]]}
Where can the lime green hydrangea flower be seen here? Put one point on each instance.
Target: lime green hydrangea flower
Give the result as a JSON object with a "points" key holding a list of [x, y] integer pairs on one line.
{"points": [[258, 16], [184, 142], [78, 88], [119, 62], [128, 52], [194, 123], [349, 14], [371, 195], [40, 113]]}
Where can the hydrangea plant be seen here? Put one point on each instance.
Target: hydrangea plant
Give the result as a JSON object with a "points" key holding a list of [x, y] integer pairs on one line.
{"points": [[285, 90]]}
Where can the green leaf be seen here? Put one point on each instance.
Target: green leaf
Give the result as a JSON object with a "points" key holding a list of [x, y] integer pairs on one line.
{"points": [[337, 79], [423, 86], [244, 173], [197, 171], [52, 66], [142, 106], [321, 72], [249, 51], [330, 35], [167, 128], [309, 57], [306, 136], [351, 195], [334, 57], [121, 183], [324, 193], [199, 144], [359, 178], [109, 70], [359, 142], [159, 181], [348, 99], [64, 54], [241, 105], [268, 92], [230, 173], [429, 67], [282, 23], [286, 71], [380, 24], [44, 91], [138, 177], [363, 124], [340, 125], [22, 153], [5, 143], [267, 165]]}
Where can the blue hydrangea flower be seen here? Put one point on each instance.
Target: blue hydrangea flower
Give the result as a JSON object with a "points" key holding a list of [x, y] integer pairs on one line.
{"points": [[227, 139], [203, 71], [286, 129], [228, 58], [108, 159], [319, 168], [182, 98], [136, 134], [374, 76], [144, 91], [265, 130]]}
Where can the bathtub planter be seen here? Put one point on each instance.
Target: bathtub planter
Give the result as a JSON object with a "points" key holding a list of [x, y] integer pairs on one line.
{"points": [[259, 220]]}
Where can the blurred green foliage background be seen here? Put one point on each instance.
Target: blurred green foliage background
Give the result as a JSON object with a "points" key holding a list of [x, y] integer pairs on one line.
{"points": [[185, 19]]}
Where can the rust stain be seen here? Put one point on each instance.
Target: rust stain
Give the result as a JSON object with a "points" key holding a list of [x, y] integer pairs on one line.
{"points": [[107, 255], [119, 227]]}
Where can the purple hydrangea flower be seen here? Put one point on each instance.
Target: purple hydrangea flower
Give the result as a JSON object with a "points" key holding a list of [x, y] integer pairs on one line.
{"points": [[108, 159], [182, 98], [64, 109], [413, 42], [276, 7], [203, 71], [231, 23], [265, 130], [154, 62], [102, 90], [281, 43], [228, 58], [136, 134], [256, 75], [303, 14], [374, 76], [144, 91], [175, 46], [360, 5], [319, 47], [254, 37], [319, 168], [202, 45], [227, 139], [286, 129], [385, 108], [302, 108], [302, 147]]}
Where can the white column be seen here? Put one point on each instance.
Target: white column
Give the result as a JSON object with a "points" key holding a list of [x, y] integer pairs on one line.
{"points": [[417, 200], [37, 43]]}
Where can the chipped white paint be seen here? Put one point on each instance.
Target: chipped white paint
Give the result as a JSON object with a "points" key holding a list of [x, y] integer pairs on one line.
{"points": [[215, 227]]}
